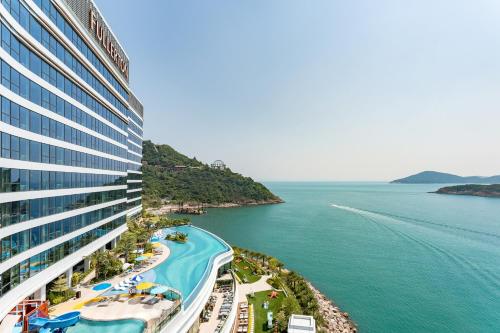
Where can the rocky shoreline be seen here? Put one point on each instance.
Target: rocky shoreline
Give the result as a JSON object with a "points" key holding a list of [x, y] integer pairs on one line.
{"points": [[172, 208], [336, 321]]}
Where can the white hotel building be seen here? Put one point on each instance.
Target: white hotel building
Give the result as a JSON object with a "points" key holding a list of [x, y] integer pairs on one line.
{"points": [[70, 139]]}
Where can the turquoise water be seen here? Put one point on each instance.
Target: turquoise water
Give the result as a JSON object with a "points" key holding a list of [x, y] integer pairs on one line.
{"points": [[185, 267], [102, 286], [397, 258], [187, 263], [91, 326]]}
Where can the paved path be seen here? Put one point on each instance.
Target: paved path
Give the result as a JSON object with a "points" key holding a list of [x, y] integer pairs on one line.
{"points": [[248, 288]]}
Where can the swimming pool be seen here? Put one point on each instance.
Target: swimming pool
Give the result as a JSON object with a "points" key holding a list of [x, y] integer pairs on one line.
{"points": [[102, 286], [93, 326], [187, 263], [185, 270]]}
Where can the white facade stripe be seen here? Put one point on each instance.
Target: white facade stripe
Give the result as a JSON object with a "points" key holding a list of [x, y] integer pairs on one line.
{"points": [[52, 243], [27, 195], [21, 226]]}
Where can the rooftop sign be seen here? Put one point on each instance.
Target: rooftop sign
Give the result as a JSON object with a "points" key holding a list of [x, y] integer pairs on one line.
{"points": [[89, 16], [107, 43]]}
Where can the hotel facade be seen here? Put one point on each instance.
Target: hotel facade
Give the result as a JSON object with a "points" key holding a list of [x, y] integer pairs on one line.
{"points": [[71, 143]]}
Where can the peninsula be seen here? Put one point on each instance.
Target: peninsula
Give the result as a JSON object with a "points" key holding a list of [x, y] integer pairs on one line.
{"points": [[492, 191], [433, 177], [173, 179]]}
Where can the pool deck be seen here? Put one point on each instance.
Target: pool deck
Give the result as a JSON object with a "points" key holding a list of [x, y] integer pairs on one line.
{"points": [[115, 310]]}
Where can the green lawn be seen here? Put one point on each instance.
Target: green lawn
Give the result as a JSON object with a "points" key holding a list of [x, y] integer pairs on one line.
{"points": [[260, 312], [244, 271]]}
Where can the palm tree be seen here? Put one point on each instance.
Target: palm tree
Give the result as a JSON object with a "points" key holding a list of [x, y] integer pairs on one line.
{"points": [[127, 244]]}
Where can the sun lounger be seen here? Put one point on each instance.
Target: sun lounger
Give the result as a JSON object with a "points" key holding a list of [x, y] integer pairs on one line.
{"points": [[147, 299], [152, 301]]}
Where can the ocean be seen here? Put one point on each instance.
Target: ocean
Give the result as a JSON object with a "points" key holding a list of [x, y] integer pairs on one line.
{"points": [[395, 257]]}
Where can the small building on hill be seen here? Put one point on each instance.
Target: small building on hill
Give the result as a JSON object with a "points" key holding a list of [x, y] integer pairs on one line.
{"points": [[218, 165]]}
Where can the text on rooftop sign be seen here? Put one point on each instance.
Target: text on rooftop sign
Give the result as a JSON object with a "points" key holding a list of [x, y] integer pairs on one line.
{"points": [[103, 35]]}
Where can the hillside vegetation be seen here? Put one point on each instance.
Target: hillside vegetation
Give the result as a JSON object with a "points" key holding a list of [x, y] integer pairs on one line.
{"points": [[433, 177], [472, 189], [170, 175]]}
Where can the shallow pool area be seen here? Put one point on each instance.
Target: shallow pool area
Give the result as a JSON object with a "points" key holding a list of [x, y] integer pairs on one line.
{"points": [[93, 326], [102, 286], [188, 263]]}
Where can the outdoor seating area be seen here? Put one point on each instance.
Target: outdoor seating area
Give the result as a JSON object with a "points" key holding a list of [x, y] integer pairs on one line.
{"points": [[218, 307], [243, 316]]}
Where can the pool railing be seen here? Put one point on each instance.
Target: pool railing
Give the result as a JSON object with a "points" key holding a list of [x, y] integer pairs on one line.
{"points": [[199, 285]]}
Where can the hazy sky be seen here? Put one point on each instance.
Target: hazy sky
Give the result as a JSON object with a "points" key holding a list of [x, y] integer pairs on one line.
{"points": [[319, 90]]}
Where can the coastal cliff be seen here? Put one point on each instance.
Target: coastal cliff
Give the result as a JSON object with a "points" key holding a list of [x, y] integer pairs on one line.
{"points": [[173, 179], [492, 191]]}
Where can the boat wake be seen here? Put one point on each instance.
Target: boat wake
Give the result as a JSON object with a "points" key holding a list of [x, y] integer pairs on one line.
{"points": [[413, 220], [484, 276]]}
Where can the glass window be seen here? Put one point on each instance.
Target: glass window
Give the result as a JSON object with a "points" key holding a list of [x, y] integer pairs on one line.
{"points": [[5, 74], [45, 126], [45, 153], [35, 122], [5, 110], [5, 145], [24, 118], [24, 149], [14, 114], [35, 151], [24, 175], [14, 147], [35, 64], [24, 87], [35, 180], [35, 93], [45, 180], [35, 29]]}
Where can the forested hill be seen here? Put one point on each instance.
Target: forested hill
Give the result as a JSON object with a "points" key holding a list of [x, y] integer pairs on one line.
{"points": [[433, 177], [169, 175]]}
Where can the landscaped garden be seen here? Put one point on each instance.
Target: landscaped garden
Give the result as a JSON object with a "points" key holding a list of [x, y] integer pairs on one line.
{"points": [[293, 294], [246, 271], [260, 313]]}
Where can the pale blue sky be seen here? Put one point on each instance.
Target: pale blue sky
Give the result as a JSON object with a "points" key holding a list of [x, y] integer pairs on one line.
{"points": [[319, 90]]}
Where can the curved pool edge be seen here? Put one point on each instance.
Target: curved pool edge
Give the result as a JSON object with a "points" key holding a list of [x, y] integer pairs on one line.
{"points": [[183, 321]]}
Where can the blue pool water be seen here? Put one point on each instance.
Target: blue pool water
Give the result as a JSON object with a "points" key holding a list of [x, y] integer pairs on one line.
{"points": [[92, 326], [187, 263], [102, 286], [184, 268]]}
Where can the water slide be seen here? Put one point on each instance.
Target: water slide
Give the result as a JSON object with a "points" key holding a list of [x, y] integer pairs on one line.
{"points": [[58, 324]]}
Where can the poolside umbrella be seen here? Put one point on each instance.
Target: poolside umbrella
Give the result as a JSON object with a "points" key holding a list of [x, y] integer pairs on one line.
{"points": [[138, 278], [141, 258], [159, 290], [156, 245], [144, 285], [148, 255]]}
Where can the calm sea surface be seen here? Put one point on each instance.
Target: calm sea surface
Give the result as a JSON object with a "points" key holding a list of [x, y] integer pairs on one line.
{"points": [[397, 258]]}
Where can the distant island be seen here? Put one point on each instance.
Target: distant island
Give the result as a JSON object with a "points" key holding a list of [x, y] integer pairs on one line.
{"points": [[433, 177], [171, 179], [472, 189]]}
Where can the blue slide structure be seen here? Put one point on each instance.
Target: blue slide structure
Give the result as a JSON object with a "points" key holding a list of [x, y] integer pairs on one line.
{"points": [[56, 325]]}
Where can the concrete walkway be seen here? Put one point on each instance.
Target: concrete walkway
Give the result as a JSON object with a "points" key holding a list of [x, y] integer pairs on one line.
{"points": [[88, 293], [248, 288]]}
